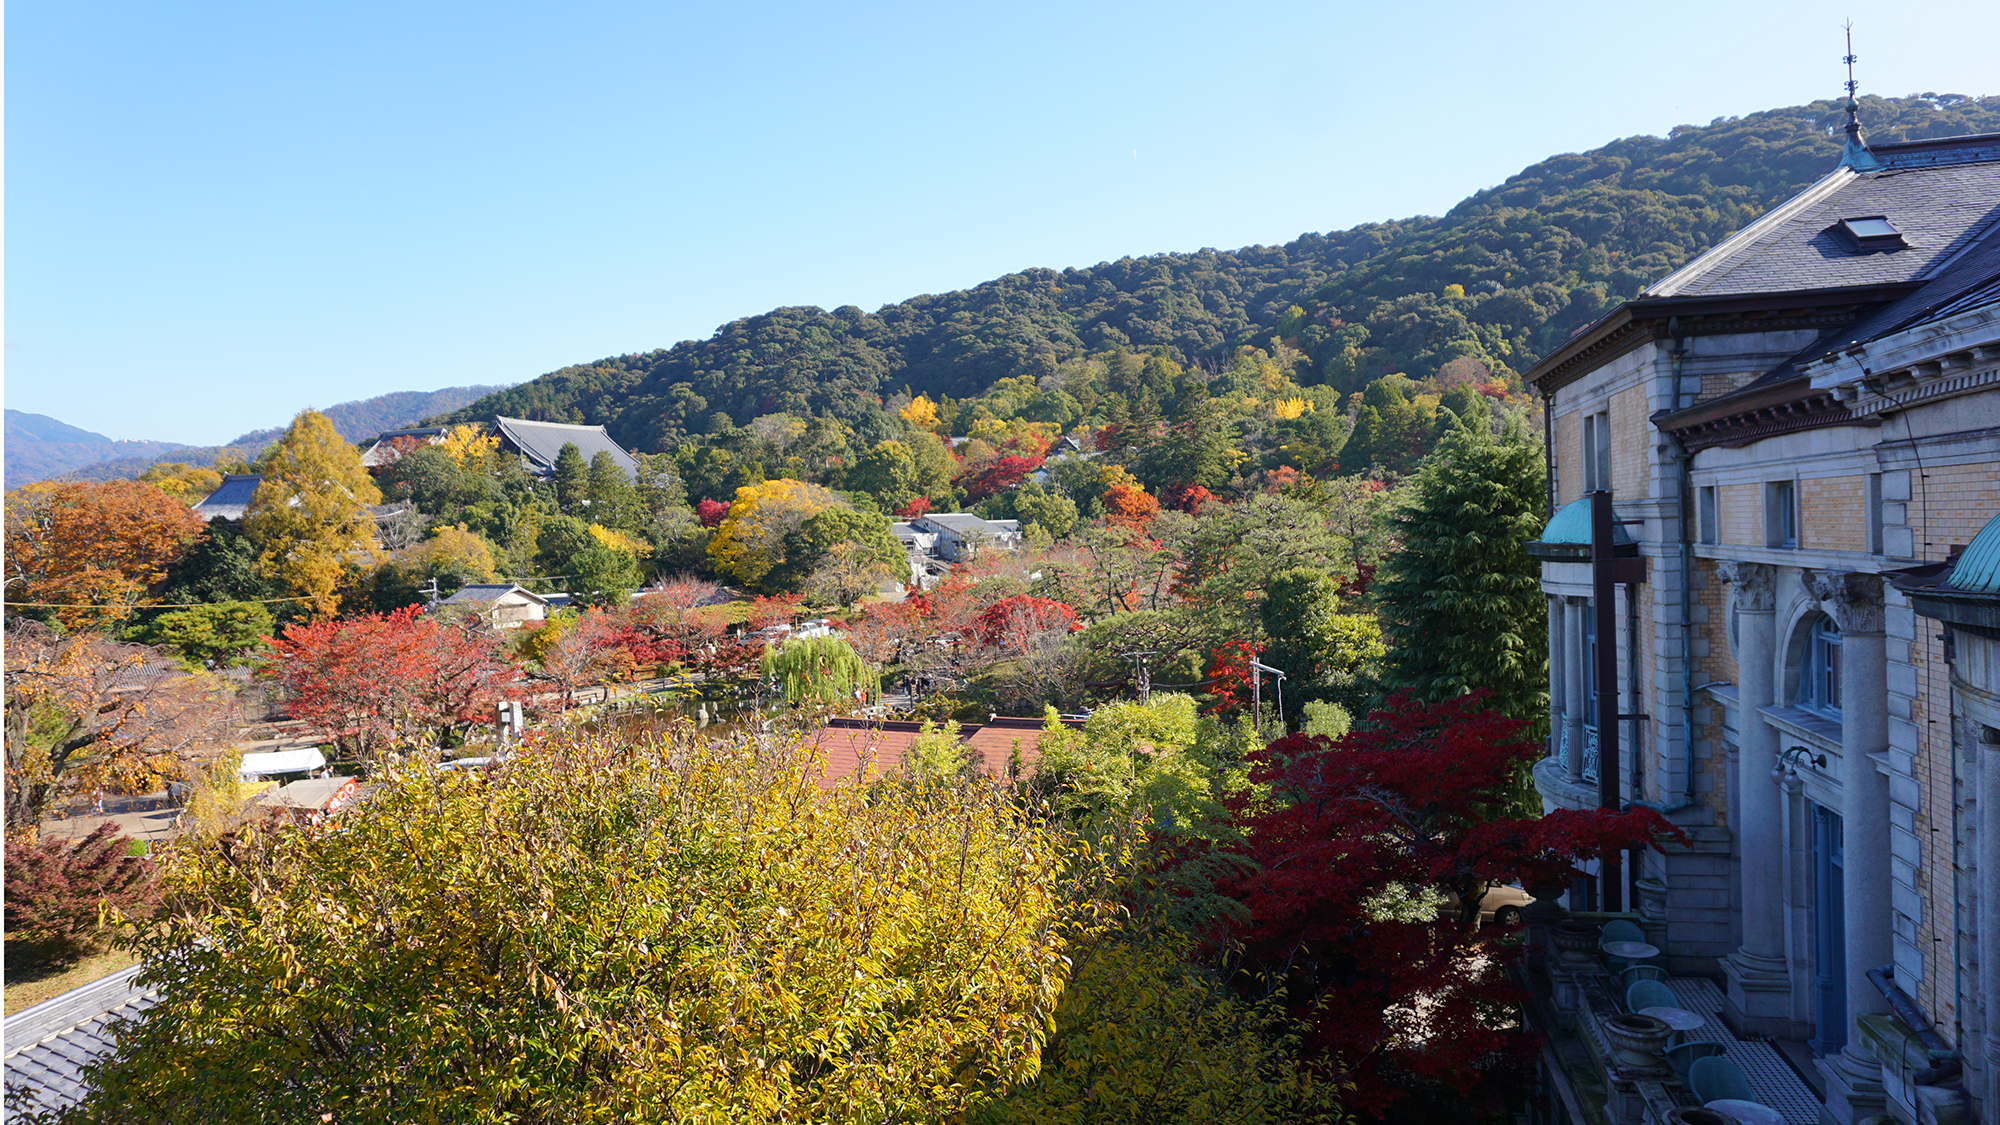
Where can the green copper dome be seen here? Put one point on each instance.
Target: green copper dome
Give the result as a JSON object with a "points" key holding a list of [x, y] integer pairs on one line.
{"points": [[1978, 569], [1571, 526]]}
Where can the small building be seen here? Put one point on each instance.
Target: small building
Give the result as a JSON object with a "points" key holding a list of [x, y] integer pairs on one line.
{"points": [[314, 800], [382, 452], [501, 605], [231, 499], [539, 443], [960, 535]]}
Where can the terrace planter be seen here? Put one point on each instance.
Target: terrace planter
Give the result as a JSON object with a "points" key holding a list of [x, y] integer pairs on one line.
{"points": [[1576, 942], [1639, 1044]]}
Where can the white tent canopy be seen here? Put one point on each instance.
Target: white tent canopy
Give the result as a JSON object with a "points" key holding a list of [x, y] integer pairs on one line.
{"points": [[282, 761]]}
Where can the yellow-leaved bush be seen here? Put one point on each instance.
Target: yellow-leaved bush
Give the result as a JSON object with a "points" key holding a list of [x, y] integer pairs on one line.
{"points": [[611, 928]]}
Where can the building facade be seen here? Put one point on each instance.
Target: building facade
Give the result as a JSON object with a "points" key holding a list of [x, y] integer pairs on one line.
{"points": [[1799, 431]]}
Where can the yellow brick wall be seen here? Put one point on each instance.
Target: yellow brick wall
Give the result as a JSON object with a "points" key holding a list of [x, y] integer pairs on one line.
{"points": [[1719, 664], [1740, 513], [1569, 456], [1715, 385], [1631, 436], [1948, 506], [1950, 503], [1937, 992], [1833, 513]]}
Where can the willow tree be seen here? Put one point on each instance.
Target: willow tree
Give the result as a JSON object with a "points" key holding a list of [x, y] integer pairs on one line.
{"points": [[309, 516], [824, 669]]}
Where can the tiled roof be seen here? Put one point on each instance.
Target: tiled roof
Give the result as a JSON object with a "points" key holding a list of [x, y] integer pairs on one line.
{"points": [[490, 592], [232, 498], [865, 749], [541, 442], [1939, 197], [50, 1044]]}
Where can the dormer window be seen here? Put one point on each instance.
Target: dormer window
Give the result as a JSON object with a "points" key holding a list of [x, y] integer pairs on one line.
{"points": [[1872, 232]]}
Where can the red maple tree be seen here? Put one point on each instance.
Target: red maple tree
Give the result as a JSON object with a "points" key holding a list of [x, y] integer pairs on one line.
{"points": [[1014, 623], [915, 508], [1190, 498], [996, 476], [1228, 676], [383, 680], [1129, 505], [711, 512], [1409, 802]]}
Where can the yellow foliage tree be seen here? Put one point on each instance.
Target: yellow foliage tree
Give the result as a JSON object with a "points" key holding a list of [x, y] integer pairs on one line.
{"points": [[619, 541], [470, 445], [921, 413], [453, 552], [310, 514], [1290, 408], [750, 540], [184, 482], [609, 932]]}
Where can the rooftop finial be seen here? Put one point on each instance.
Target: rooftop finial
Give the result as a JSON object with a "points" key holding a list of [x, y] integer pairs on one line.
{"points": [[1856, 154]]}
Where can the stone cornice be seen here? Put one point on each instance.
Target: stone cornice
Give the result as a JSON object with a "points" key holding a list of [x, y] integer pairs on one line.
{"points": [[1787, 408], [1928, 363]]}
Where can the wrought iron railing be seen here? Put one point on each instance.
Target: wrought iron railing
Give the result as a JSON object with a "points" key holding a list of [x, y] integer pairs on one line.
{"points": [[1590, 753]]}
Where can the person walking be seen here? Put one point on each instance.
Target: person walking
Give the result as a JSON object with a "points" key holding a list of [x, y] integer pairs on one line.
{"points": [[97, 801]]}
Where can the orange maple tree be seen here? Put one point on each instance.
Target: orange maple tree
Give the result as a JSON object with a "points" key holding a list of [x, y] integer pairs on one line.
{"points": [[95, 549]]}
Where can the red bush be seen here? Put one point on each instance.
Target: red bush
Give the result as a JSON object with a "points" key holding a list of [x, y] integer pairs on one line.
{"points": [[55, 890]]}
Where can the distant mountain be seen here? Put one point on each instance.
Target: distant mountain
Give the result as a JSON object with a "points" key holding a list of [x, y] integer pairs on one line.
{"points": [[40, 447], [1503, 278]]}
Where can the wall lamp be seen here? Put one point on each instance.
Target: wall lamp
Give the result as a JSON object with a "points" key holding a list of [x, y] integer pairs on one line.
{"points": [[1804, 755]]}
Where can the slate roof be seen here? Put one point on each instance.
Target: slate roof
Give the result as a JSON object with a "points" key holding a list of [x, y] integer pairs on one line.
{"points": [[231, 499], [1939, 194], [966, 522], [50, 1044], [540, 442]]}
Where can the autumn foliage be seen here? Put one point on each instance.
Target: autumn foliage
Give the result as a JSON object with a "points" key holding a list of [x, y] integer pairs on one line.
{"points": [[1001, 475], [711, 512], [390, 680], [95, 548], [57, 891], [1013, 623], [1129, 504], [1407, 803]]}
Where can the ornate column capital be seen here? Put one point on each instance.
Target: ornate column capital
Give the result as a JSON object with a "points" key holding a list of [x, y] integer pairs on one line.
{"points": [[1755, 584], [1851, 598]]}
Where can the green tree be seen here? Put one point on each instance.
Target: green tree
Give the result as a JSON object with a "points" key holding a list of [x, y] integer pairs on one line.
{"points": [[309, 516], [221, 635], [876, 548], [613, 501], [823, 669], [888, 473], [1327, 655], [607, 932], [571, 479], [1461, 603]]}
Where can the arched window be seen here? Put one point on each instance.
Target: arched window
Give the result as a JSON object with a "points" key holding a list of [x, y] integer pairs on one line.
{"points": [[1819, 672]]}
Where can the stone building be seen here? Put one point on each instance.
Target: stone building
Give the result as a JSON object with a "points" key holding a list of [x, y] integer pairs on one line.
{"points": [[1799, 431]]}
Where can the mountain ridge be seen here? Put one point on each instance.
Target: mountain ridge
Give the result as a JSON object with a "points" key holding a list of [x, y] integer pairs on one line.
{"points": [[33, 453], [1502, 277]]}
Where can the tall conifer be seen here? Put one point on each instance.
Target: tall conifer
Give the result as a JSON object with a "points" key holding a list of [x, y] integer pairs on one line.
{"points": [[1461, 603]]}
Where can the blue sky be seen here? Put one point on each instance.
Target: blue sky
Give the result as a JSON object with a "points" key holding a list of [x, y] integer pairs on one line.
{"points": [[219, 213]]}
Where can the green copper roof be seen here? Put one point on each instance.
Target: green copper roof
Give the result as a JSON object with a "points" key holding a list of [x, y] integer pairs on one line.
{"points": [[1978, 569], [1571, 525]]}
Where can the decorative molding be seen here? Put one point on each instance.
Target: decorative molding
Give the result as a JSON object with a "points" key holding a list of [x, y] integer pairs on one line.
{"points": [[1851, 598], [1754, 585], [1810, 412]]}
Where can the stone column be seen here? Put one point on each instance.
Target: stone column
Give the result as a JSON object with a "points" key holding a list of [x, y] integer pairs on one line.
{"points": [[1854, 601], [1573, 701], [1557, 679], [1798, 893], [1759, 982], [1989, 912]]}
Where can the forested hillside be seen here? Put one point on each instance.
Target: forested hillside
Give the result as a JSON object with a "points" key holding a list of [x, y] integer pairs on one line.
{"points": [[1502, 278]]}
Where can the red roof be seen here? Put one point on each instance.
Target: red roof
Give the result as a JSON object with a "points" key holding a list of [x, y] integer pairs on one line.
{"points": [[866, 749]]}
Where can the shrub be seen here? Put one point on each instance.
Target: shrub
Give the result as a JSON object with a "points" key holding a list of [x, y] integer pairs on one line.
{"points": [[62, 896]]}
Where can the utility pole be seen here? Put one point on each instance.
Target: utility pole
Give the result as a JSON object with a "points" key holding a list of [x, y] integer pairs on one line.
{"points": [[1257, 692]]}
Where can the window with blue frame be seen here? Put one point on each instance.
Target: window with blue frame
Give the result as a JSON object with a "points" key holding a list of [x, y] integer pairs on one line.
{"points": [[1819, 674]]}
